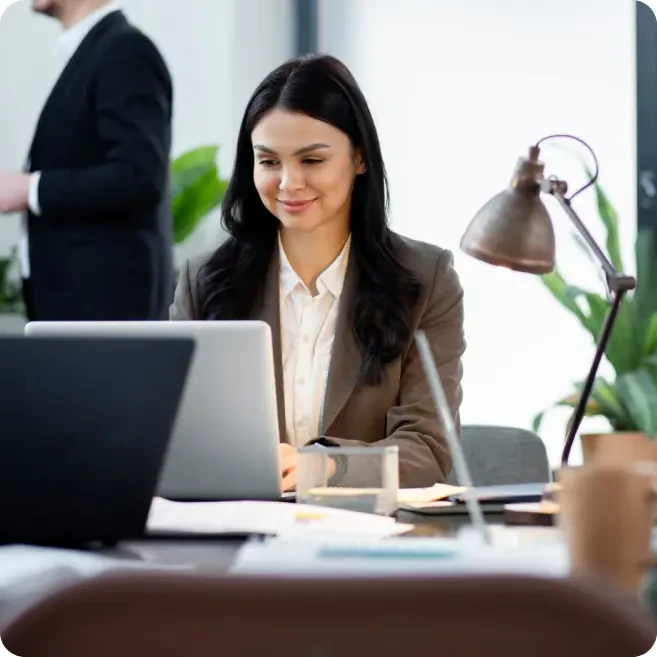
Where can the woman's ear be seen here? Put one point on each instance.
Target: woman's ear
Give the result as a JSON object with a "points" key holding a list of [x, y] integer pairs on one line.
{"points": [[360, 163]]}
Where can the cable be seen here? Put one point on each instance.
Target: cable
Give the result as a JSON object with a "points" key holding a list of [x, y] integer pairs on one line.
{"points": [[605, 279], [590, 150]]}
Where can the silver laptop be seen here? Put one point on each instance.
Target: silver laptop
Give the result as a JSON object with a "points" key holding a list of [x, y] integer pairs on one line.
{"points": [[225, 441]]}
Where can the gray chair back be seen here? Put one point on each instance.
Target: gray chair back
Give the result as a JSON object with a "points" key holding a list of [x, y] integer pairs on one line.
{"points": [[503, 455]]}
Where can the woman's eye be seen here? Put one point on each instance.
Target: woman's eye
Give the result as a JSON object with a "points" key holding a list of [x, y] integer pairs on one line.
{"points": [[312, 161], [268, 163]]}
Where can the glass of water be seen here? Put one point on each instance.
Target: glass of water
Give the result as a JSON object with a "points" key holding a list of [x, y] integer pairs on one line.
{"points": [[352, 478]]}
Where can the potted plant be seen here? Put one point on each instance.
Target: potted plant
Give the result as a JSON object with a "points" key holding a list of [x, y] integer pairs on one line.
{"points": [[628, 400], [12, 311], [196, 189]]}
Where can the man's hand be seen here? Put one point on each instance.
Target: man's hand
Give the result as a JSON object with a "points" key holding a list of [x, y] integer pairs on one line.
{"points": [[289, 461], [14, 191]]}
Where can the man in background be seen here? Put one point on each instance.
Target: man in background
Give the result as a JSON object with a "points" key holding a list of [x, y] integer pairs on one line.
{"points": [[97, 234]]}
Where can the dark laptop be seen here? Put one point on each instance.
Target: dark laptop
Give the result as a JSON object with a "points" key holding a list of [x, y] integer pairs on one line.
{"points": [[84, 428]]}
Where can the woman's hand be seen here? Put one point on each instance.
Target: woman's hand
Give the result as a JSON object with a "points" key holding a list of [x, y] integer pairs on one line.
{"points": [[288, 458]]}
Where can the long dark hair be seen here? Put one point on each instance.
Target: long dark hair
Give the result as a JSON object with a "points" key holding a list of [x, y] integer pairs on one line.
{"points": [[232, 281]]}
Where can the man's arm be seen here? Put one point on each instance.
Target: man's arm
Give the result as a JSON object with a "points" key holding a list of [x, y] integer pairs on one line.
{"points": [[133, 98]]}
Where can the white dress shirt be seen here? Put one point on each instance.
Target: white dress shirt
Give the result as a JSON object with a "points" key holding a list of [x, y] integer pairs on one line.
{"points": [[307, 331], [66, 45]]}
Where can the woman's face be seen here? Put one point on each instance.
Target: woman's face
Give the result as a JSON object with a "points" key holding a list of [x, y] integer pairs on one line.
{"points": [[304, 170]]}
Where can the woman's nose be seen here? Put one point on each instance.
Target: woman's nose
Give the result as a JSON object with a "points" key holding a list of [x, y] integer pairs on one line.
{"points": [[291, 178]]}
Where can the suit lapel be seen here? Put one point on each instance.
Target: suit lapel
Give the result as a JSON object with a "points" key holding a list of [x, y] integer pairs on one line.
{"points": [[269, 312], [346, 358]]}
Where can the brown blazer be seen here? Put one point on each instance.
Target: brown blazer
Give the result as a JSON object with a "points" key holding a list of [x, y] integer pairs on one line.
{"points": [[399, 411]]}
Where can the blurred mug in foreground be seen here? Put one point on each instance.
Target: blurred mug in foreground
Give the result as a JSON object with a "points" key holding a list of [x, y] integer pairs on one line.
{"points": [[606, 516]]}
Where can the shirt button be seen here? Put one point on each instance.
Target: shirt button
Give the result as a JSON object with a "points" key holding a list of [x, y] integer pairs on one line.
{"points": [[301, 382], [305, 339]]}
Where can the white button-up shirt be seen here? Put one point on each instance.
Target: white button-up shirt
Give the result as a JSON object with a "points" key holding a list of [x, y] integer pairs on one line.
{"points": [[307, 332]]}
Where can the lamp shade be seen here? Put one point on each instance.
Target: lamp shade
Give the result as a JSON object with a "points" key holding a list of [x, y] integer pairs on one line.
{"points": [[514, 229]]}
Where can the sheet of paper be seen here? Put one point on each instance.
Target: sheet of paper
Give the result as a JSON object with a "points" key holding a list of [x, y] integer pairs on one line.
{"points": [[272, 518], [418, 496]]}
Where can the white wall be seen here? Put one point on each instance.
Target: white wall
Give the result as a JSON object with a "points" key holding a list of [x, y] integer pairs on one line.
{"points": [[459, 90], [217, 51]]}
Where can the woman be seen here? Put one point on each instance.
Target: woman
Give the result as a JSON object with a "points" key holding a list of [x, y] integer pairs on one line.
{"points": [[310, 252]]}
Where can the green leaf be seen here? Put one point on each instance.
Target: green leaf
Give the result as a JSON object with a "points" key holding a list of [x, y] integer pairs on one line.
{"points": [[569, 401], [203, 156], [194, 203], [610, 220], [604, 401], [622, 350], [568, 295], [565, 294], [538, 420], [5, 263], [637, 392], [586, 251], [625, 345], [196, 189], [605, 396], [597, 310], [11, 294], [190, 166], [650, 339]]}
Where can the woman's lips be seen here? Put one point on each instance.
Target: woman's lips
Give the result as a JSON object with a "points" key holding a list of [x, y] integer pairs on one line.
{"points": [[296, 207]]}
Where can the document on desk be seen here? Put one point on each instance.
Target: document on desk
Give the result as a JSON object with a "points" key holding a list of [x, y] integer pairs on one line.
{"points": [[400, 556], [422, 496], [267, 518]]}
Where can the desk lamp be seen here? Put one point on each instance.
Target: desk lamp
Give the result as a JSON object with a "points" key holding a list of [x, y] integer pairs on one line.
{"points": [[514, 230]]}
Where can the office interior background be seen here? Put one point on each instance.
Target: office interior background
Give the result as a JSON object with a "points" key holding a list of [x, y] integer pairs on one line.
{"points": [[459, 90]]}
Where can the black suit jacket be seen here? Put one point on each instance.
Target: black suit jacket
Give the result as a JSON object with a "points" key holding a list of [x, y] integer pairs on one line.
{"points": [[101, 247]]}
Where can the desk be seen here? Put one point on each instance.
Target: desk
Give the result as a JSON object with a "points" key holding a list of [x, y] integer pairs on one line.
{"points": [[212, 555]]}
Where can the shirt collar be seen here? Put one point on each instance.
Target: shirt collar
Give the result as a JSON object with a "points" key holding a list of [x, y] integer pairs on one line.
{"points": [[331, 279], [70, 39]]}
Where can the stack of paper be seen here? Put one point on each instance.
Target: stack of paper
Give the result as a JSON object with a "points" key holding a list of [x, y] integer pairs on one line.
{"points": [[270, 518]]}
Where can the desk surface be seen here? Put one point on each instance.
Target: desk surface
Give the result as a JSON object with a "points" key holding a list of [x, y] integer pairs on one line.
{"points": [[210, 555]]}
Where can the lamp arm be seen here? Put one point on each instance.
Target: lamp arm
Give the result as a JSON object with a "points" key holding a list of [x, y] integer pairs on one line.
{"points": [[619, 283], [617, 280], [587, 388]]}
